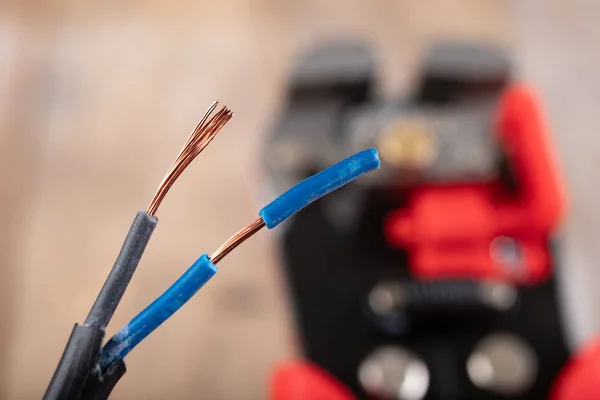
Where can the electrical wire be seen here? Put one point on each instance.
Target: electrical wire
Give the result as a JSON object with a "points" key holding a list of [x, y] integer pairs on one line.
{"points": [[120, 275], [135, 243], [157, 312], [77, 372], [204, 268], [139, 234]]}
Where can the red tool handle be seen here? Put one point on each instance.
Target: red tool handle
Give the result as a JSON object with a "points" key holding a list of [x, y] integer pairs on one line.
{"points": [[300, 380], [450, 230], [580, 377]]}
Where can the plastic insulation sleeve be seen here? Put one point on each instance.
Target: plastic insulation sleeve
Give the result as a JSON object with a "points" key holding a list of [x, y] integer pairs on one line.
{"points": [[78, 359], [100, 387], [158, 312], [119, 277], [318, 185]]}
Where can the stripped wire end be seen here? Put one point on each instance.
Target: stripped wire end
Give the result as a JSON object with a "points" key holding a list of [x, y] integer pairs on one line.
{"points": [[301, 195], [237, 239], [205, 132]]}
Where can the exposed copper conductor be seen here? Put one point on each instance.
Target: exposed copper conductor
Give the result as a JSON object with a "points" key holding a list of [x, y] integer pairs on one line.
{"points": [[236, 240], [204, 133]]}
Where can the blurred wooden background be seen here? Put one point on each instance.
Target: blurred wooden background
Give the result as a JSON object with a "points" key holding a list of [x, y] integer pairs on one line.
{"points": [[95, 101]]}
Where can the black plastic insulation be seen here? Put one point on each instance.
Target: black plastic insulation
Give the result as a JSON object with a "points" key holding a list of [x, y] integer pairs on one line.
{"points": [[117, 281], [78, 375], [78, 361]]}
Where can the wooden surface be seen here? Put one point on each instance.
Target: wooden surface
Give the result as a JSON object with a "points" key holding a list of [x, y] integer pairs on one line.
{"points": [[96, 100]]}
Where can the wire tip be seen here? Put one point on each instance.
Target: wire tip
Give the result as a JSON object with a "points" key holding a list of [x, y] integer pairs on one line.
{"points": [[205, 132]]}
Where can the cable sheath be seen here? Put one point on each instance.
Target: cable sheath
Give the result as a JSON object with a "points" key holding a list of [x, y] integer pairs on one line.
{"points": [[78, 359], [318, 185], [158, 312]]}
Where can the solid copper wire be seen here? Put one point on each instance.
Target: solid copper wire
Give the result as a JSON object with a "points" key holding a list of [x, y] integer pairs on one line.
{"points": [[236, 240], [204, 133]]}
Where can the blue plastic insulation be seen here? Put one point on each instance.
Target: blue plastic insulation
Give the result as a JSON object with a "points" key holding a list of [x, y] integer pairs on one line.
{"points": [[318, 185], [158, 312], [203, 269]]}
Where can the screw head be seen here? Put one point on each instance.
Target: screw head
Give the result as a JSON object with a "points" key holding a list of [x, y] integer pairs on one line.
{"points": [[504, 364], [394, 373]]}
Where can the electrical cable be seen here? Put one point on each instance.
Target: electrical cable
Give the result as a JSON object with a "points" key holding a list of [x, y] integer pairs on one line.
{"points": [[280, 209], [77, 371], [135, 243]]}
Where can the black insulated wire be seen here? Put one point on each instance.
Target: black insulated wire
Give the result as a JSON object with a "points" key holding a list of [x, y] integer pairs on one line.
{"points": [[121, 273], [78, 375]]}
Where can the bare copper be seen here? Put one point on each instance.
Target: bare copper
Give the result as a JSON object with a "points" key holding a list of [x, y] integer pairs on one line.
{"points": [[237, 239], [205, 132]]}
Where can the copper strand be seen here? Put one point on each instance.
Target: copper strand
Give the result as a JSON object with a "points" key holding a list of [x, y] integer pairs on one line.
{"points": [[205, 132], [236, 240]]}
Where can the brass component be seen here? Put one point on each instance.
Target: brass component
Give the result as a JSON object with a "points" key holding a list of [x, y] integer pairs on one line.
{"points": [[408, 143]]}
